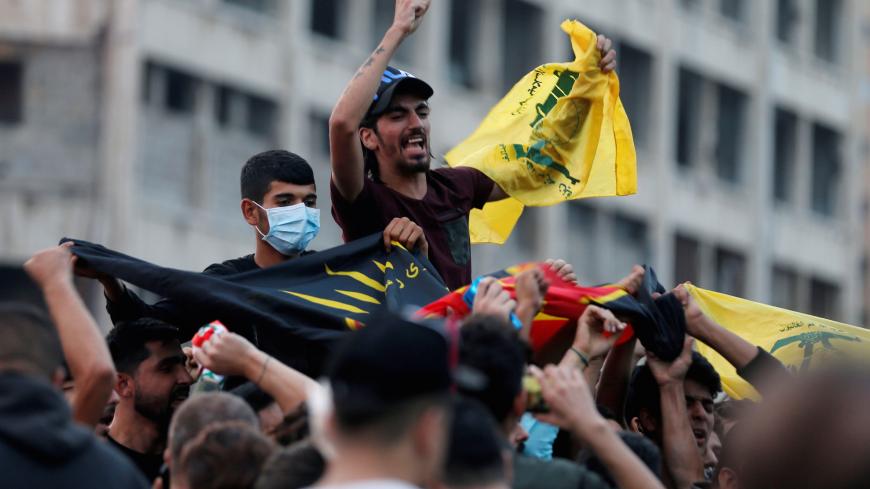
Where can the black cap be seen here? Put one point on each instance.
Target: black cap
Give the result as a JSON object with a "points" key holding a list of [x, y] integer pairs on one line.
{"points": [[391, 79], [390, 360]]}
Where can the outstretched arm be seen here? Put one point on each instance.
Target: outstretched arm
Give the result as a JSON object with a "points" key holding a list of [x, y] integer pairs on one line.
{"points": [[231, 354], [572, 408], [739, 352], [83, 345], [344, 145], [682, 459]]}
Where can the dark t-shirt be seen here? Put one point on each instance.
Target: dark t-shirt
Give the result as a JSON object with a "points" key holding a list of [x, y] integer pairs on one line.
{"points": [[442, 213], [534, 473], [148, 464]]}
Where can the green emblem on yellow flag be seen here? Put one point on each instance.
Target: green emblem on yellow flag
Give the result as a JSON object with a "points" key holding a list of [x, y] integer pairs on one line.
{"points": [[561, 133]]}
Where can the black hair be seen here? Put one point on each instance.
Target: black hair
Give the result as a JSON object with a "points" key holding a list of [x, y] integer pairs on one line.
{"points": [[370, 161], [493, 348], [392, 421], [277, 164], [643, 390], [297, 466], [28, 340], [474, 456], [127, 341], [646, 451]]}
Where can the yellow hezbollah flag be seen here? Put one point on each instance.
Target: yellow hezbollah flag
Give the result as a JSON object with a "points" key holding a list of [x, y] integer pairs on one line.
{"points": [[561, 133], [799, 341]]}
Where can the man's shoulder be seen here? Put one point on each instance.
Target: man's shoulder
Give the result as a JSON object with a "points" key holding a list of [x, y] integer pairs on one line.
{"points": [[531, 473], [236, 265]]}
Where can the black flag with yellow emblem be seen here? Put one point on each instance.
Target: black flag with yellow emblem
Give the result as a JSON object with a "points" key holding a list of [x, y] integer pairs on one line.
{"points": [[294, 311]]}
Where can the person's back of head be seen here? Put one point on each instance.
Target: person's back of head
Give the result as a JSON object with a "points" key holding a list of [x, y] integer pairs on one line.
{"points": [[645, 450], [274, 165], [201, 411], [40, 445], [475, 458], [390, 385], [294, 467], [813, 433], [491, 347], [643, 390], [29, 344], [223, 456]]}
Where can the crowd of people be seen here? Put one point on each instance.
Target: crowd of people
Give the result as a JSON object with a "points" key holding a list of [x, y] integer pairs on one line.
{"points": [[403, 402]]}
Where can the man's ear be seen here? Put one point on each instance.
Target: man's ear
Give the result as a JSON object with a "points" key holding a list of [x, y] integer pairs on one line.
{"points": [[429, 433], [727, 479], [250, 212], [369, 138], [124, 386], [647, 422]]}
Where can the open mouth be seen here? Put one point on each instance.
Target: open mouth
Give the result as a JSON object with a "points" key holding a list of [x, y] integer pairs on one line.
{"points": [[700, 436], [415, 145]]}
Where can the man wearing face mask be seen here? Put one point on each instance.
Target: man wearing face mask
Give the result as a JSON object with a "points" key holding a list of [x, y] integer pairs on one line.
{"points": [[279, 202]]}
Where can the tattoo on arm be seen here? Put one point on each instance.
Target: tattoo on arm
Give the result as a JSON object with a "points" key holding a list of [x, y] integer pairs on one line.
{"points": [[369, 61]]}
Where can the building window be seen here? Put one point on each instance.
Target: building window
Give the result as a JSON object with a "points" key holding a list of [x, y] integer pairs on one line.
{"points": [[583, 251], [828, 27], [787, 15], [259, 6], [729, 133], [635, 87], [689, 94], [825, 170], [630, 245], [180, 91], [784, 288], [11, 93], [383, 19], [318, 124], [325, 18], [261, 116], [464, 16], [732, 9], [690, 4], [522, 35], [785, 126], [687, 259], [730, 272], [824, 299]]}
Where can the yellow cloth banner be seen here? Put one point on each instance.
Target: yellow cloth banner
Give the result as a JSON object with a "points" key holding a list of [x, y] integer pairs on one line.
{"points": [[561, 133], [798, 340]]}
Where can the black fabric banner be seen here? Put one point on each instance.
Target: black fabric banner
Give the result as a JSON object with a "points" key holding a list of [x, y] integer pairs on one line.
{"points": [[294, 311]]}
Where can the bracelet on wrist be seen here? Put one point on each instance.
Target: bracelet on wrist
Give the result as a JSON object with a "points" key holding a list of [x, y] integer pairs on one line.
{"points": [[583, 358]]}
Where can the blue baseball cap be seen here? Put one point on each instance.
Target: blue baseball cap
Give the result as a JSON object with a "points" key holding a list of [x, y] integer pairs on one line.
{"points": [[391, 80]]}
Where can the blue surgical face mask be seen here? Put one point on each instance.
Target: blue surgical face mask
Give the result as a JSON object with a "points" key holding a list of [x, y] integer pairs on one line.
{"points": [[291, 228]]}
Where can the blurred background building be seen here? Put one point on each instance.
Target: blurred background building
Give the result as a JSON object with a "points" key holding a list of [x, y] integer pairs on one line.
{"points": [[126, 122]]}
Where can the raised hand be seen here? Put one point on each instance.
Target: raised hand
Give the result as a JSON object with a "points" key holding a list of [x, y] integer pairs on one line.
{"points": [[492, 299], [608, 54], [590, 338], [49, 266], [673, 372], [407, 233], [563, 269], [227, 354], [409, 14]]}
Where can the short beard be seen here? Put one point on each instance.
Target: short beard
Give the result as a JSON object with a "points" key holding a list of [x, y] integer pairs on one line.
{"points": [[156, 408]]}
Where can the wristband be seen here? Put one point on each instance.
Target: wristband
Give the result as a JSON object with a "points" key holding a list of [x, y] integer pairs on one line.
{"points": [[581, 356]]}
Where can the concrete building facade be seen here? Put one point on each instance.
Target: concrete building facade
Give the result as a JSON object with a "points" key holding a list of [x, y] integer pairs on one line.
{"points": [[127, 121]]}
